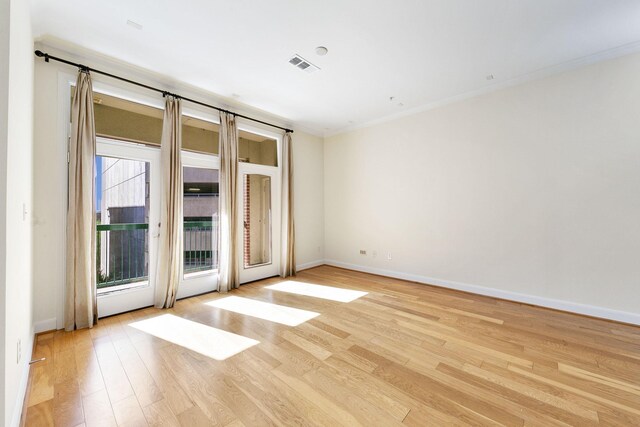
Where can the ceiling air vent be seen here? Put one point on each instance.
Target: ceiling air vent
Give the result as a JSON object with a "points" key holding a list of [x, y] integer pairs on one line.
{"points": [[301, 63]]}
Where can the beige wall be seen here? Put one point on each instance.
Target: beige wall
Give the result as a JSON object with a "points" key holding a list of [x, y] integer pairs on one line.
{"points": [[529, 193], [309, 199], [49, 200], [16, 195]]}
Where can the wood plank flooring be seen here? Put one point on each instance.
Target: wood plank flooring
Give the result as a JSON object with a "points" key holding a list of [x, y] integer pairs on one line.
{"points": [[403, 354]]}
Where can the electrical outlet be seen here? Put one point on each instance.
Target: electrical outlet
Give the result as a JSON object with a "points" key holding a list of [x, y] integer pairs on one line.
{"points": [[363, 252], [389, 256], [374, 254], [19, 351]]}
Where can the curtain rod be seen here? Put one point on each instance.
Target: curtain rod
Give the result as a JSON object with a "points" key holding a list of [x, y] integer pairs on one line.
{"points": [[47, 57]]}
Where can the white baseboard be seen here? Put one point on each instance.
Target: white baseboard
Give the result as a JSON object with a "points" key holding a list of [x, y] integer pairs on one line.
{"points": [[45, 325], [588, 310], [22, 387], [311, 264]]}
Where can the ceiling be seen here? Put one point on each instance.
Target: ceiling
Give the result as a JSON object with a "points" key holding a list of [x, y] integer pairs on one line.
{"points": [[420, 52]]}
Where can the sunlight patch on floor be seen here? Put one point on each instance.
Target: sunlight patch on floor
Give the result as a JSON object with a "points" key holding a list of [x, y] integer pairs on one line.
{"points": [[206, 340], [318, 291], [264, 310]]}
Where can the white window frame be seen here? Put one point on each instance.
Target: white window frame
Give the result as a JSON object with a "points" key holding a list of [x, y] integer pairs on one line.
{"points": [[252, 273]]}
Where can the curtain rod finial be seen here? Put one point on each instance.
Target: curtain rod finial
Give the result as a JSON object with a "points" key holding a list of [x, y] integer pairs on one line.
{"points": [[40, 54]]}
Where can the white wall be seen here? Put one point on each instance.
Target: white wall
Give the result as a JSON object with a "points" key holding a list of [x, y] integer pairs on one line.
{"points": [[528, 193], [49, 201], [4, 106], [50, 173], [308, 190], [18, 186]]}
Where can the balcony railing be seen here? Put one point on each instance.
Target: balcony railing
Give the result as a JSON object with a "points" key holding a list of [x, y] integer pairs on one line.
{"points": [[122, 256], [200, 246]]}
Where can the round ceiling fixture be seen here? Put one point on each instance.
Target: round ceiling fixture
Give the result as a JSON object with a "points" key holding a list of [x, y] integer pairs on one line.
{"points": [[321, 50]]}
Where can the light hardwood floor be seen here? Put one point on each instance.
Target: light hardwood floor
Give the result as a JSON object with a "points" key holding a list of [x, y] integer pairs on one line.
{"points": [[404, 354]]}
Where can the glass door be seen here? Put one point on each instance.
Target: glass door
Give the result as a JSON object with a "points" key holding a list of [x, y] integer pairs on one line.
{"points": [[259, 216], [200, 216], [127, 203]]}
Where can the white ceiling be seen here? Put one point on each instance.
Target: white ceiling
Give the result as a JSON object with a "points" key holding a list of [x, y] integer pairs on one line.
{"points": [[421, 52]]}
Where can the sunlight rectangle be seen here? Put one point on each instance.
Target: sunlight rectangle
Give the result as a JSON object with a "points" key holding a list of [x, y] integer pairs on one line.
{"points": [[264, 310], [206, 340], [317, 291]]}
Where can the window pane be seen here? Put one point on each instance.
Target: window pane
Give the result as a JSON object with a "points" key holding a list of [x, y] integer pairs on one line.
{"points": [[257, 149], [200, 136], [122, 216], [121, 119], [257, 219], [200, 207]]}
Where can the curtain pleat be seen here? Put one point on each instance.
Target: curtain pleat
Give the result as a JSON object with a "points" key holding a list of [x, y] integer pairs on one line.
{"points": [[288, 258], [169, 267], [80, 289], [228, 270]]}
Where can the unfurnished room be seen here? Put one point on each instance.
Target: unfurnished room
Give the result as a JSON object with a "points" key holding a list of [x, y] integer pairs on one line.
{"points": [[319, 213]]}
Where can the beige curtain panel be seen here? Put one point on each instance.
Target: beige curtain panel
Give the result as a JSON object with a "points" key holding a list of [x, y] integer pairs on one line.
{"points": [[80, 289], [288, 258], [228, 270], [169, 268]]}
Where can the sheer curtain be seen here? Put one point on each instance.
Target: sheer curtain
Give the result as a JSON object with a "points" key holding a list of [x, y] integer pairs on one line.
{"points": [[80, 289], [169, 268], [288, 258], [228, 271]]}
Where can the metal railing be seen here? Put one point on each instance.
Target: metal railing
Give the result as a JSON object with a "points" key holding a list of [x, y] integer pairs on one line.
{"points": [[123, 251], [200, 246], [122, 254]]}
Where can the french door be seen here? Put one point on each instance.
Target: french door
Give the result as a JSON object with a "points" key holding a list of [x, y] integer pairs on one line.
{"points": [[128, 188], [127, 209], [259, 221], [201, 231], [128, 196]]}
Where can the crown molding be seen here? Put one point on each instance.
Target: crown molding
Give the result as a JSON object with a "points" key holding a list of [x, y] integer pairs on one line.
{"points": [[573, 64]]}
